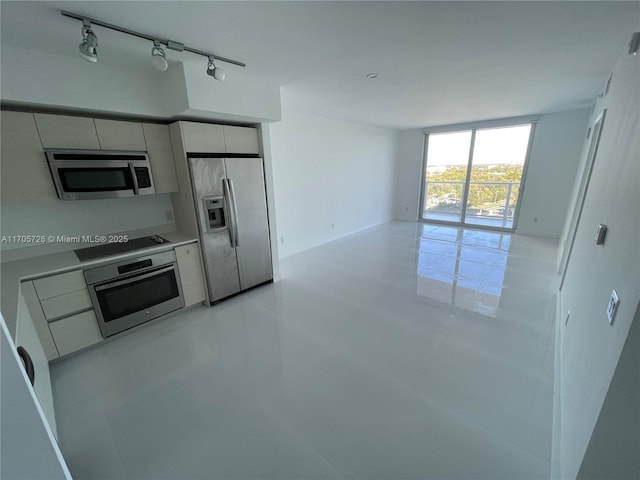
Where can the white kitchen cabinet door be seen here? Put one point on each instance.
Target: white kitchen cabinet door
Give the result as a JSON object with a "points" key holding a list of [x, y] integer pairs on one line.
{"points": [[28, 338], [241, 139], [25, 174], [119, 135], [191, 278], [163, 168], [28, 291], [75, 332], [202, 137], [55, 285], [62, 131]]}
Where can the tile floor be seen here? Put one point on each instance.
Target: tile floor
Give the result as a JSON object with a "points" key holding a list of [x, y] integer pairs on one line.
{"points": [[405, 351]]}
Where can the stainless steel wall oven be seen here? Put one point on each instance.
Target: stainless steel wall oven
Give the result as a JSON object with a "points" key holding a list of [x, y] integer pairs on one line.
{"points": [[132, 292]]}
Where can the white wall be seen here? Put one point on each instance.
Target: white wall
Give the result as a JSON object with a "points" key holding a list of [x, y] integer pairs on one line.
{"points": [[84, 217], [619, 419], [408, 175], [552, 167], [590, 348], [331, 178], [555, 154]]}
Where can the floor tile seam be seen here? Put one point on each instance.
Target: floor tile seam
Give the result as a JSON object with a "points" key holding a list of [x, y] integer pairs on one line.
{"points": [[342, 269], [371, 310], [340, 350], [268, 409], [115, 443], [299, 436], [519, 369], [482, 427], [377, 245]]}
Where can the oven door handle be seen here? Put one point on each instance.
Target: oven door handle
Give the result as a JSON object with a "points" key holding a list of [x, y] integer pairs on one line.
{"points": [[133, 278]]}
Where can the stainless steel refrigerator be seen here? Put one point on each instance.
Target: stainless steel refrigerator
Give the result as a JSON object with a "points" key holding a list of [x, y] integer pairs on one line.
{"points": [[231, 205]]}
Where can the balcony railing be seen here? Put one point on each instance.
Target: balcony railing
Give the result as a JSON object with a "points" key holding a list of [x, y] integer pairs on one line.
{"points": [[486, 200]]}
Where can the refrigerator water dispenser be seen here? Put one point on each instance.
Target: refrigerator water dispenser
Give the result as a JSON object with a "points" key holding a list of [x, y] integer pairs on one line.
{"points": [[214, 208]]}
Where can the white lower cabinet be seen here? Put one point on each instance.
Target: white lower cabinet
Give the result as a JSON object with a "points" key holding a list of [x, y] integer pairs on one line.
{"points": [[60, 310], [75, 332], [190, 267]]}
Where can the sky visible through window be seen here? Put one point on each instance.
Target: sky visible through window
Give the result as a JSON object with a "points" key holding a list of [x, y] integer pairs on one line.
{"points": [[501, 146]]}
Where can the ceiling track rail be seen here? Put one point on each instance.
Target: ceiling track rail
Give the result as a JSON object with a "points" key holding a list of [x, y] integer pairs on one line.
{"points": [[170, 44]]}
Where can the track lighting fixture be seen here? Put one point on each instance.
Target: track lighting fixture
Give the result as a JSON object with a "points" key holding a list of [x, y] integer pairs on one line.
{"points": [[89, 43], [158, 57], [215, 72]]}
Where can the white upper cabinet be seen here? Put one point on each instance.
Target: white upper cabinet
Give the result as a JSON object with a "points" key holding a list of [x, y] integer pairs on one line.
{"points": [[210, 138], [25, 175], [61, 131], [160, 152], [203, 137], [119, 135], [241, 139]]}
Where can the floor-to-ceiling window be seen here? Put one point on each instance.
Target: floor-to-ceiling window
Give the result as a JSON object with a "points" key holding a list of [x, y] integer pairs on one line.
{"points": [[474, 176]]}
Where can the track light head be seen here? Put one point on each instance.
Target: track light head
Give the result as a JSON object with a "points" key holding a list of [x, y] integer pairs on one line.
{"points": [[158, 57], [215, 72], [89, 43]]}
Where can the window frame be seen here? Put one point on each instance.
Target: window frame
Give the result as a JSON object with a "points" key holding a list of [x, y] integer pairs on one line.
{"points": [[474, 127]]}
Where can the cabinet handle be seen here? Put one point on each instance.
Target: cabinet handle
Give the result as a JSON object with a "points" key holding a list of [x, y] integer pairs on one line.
{"points": [[28, 364]]}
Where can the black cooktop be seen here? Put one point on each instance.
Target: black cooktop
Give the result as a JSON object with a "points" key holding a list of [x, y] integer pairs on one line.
{"points": [[91, 253]]}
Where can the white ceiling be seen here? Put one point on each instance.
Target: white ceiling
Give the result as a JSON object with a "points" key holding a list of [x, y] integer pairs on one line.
{"points": [[439, 62]]}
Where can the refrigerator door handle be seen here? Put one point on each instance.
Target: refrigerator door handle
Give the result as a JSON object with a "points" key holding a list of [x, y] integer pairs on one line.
{"points": [[231, 221], [235, 211]]}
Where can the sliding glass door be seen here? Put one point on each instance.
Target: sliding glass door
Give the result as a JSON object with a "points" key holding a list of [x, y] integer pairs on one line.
{"points": [[474, 176], [446, 175]]}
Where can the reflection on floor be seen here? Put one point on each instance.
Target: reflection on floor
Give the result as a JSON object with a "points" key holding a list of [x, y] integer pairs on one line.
{"points": [[405, 351]]}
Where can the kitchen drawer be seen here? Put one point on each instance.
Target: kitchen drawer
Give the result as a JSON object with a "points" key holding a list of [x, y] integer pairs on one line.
{"points": [[60, 284], [75, 332], [67, 304]]}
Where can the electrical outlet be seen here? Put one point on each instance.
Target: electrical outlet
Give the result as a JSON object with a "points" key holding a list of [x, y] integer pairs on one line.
{"points": [[333, 225], [169, 215], [612, 306], [281, 239]]}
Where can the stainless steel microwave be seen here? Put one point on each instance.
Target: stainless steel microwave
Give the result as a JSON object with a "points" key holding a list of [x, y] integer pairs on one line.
{"points": [[93, 174]]}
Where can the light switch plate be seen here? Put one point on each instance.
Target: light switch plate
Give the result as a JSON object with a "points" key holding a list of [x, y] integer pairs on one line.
{"points": [[612, 306]]}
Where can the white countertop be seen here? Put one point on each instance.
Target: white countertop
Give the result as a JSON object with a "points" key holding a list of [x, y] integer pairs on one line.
{"points": [[18, 271]]}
